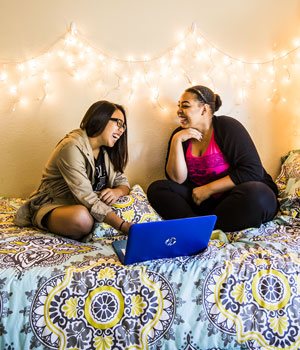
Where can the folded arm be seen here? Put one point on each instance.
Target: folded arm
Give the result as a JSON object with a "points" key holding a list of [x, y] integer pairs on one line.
{"points": [[176, 167], [202, 193]]}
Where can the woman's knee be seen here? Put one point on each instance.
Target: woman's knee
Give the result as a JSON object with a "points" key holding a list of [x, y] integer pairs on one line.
{"points": [[155, 189], [82, 220], [158, 184], [258, 193], [260, 198], [71, 221], [266, 201]]}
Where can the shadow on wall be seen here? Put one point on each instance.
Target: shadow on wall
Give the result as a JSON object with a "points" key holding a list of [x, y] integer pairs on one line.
{"points": [[148, 141]]}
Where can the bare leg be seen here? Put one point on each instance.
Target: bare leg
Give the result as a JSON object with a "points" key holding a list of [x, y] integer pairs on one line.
{"points": [[73, 221]]}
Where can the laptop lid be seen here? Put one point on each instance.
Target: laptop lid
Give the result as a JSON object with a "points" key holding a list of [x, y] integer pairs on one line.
{"points": [[165, 239]]}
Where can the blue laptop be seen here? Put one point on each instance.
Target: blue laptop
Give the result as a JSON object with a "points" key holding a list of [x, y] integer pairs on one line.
{"points": [[165, 239]]}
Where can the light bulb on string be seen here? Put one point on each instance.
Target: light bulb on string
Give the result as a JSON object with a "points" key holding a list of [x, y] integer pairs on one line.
{"points": [[272, 70], [24, 101], [194, 29], [242, 94], [99, 84], [70, 40], [205, 77], [73, 29], [213, 50], [162, 60], [88, 50], [33, 64], [287, 78], [199, 41], [20, 67], [198, 56], [182, 46], [13, 90], [60, 53], [296, 43], [70, 61], [4, 76], [137, 76], [283, 54], [248, 78], [82, 56], [46, 75], [226, 60], [77, 76], [175, 61]]}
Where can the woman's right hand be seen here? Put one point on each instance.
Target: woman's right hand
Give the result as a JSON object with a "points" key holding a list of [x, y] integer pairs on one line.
{"points": [[126, 227], [176, 167], [116, 222], [186, 134]]}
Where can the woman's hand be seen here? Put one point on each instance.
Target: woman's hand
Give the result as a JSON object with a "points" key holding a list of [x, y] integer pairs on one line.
{"points": [[186, 134], [126, 227], [109, 195], [116, 222], [176, 167], [201, 193]]}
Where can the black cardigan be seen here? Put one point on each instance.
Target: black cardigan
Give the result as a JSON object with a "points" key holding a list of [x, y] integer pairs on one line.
{"points": [[239, 150]]}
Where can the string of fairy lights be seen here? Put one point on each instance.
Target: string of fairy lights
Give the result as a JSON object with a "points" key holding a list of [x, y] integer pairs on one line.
{"points": [[192, 58]]}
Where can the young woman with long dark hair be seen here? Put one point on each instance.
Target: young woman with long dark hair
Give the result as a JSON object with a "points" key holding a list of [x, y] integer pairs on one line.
{"points": [[83, 177]]}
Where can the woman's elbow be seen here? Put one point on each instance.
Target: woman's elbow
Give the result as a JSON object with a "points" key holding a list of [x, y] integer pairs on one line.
{"points": [[179, 179]]}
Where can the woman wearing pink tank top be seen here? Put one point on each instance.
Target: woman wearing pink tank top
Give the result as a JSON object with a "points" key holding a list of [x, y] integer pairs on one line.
{"points": [[213, 167]]}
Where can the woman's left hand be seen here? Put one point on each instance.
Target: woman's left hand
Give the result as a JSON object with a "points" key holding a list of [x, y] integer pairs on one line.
{"points": [[200, 194], [109, 195]]}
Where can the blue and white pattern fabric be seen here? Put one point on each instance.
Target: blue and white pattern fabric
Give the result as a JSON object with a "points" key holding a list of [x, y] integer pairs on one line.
{"points": [[242, 292]]}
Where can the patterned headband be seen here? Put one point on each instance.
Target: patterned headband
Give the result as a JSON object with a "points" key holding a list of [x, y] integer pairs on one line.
{"points": [[199, 93]]}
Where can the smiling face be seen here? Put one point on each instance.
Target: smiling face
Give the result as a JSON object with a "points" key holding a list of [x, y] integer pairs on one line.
{"points": [[112, 131], [190, 111]]}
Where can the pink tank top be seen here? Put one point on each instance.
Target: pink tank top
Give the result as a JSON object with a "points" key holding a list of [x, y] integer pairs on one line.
{"points": [[206, 168]]}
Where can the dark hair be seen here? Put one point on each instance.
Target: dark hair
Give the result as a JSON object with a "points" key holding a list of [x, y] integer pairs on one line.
{"points": [[95, 121], [207, 96]]}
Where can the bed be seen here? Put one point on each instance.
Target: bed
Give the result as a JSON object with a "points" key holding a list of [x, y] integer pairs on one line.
{"points": [[242, 292]]}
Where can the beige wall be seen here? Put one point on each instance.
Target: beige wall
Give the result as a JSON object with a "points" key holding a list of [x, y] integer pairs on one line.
{"points": [[251, 30]]}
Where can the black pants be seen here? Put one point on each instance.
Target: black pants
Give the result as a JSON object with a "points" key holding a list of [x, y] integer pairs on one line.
{"points": [[247, 205]]}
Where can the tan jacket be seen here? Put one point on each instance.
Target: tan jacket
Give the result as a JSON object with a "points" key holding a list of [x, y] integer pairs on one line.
{"points": [[69, 176]]}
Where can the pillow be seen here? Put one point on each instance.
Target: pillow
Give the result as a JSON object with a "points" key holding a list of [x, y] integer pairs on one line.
{"points": [[288, 181], [132, 208]]}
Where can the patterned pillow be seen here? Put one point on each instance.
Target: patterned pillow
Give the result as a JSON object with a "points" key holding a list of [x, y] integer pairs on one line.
{"points": [[132, 208], [288, 181]]}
